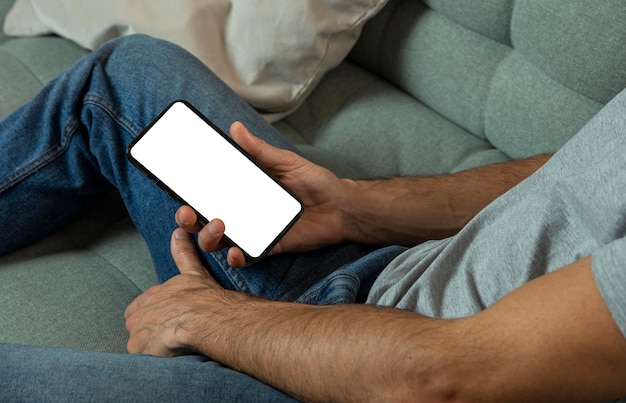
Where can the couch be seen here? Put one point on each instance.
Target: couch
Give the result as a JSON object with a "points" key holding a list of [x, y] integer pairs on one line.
{"points": [[430, 87]]}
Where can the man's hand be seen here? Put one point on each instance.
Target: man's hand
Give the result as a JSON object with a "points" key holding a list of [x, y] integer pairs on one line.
{"points": [[552, 339], [402, 211], [322, 193], [162, 317]]}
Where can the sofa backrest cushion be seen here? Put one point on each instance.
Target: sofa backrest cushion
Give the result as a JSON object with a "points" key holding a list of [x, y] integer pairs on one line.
{"points": [[524, 75], [27, 64]]}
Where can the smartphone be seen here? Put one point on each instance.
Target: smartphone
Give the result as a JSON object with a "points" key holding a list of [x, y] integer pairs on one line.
{"points": [[198, 165]]}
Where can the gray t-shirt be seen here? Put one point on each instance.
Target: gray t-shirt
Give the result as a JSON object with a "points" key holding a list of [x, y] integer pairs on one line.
{"points": [[572, 207]]}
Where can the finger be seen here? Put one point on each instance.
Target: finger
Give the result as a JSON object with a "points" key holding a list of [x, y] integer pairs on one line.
{"points": [[135, 345], [235, 258], [187, 219], [265, 153], [210, 237], [129, 312], [138, 302], [244, 138], [185, 253]]}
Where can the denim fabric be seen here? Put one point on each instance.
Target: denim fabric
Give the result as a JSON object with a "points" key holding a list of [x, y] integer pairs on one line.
{"points": [[66, 148], [41, 374], [334, 275]]}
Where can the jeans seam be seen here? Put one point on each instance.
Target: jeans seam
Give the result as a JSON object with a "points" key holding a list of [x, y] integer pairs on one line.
{"points": [[45, 158], [237, 282], [103, 258], [312, 295], [68, 133], [110, 109]]}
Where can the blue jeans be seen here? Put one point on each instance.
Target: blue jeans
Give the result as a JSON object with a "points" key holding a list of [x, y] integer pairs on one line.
{"points": [[66, 148], [42, 374]]}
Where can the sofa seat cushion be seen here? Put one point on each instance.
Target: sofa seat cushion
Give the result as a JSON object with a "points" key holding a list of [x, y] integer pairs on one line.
{"points": [[71, 288]]}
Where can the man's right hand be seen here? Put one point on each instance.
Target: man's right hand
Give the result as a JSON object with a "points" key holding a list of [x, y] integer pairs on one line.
{"points": [[322, 193]]}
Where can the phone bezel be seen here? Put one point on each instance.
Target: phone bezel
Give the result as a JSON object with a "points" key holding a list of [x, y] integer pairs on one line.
{"points": [[182, 201]]}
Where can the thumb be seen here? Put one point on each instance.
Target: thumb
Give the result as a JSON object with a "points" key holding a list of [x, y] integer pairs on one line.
{"points": [[265, 153], [185, 253]]}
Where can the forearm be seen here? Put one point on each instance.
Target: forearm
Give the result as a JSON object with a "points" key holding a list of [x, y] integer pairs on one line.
{"points": [[332, 353], [341, 352], [409, 210], [552, 339]]}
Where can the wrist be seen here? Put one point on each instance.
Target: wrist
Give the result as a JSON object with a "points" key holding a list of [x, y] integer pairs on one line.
{"points": [[359, 212], [204, 329], [402, 211]]}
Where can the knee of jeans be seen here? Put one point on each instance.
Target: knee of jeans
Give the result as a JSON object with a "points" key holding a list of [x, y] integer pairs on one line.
{"points": [[141, 44]]}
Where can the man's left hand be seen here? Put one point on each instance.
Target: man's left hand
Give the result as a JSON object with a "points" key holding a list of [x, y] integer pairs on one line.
{"points": [[161, 321]]}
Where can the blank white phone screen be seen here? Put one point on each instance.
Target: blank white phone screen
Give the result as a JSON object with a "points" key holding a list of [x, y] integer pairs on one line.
{"points": [[217, 180]]}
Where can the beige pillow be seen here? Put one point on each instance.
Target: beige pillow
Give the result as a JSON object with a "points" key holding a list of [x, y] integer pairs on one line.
{"points": [[271, 52]]}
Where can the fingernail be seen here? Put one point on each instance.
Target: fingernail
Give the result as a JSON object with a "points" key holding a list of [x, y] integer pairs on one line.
{"points": [[181, 218], [180, 234], [213, 228]]}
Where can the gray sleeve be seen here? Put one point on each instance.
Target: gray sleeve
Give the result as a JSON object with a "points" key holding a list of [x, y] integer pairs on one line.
{"points": [[609, 270]]}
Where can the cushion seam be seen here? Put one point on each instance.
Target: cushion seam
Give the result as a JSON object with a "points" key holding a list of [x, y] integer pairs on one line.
{"points": [[87, 247], [25, 65]]}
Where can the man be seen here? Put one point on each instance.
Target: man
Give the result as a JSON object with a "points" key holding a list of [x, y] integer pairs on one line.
{"points": [[521, 302]]}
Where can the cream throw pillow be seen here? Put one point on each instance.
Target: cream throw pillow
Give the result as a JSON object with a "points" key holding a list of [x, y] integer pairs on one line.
{"points": [[271, 52]]}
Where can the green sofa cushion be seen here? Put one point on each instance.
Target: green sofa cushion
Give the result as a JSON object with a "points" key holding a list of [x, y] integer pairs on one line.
{"points": [[490, 18], [71, 288], [576, 43], [521, 76], [528, 113], [384, 132], [28, 63]]}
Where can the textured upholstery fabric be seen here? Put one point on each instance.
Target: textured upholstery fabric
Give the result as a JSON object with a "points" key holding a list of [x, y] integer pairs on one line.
{"points": [[72, 288], [431, 87], [26, 64], [522, 75]]}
